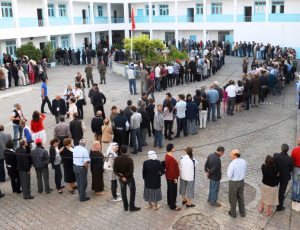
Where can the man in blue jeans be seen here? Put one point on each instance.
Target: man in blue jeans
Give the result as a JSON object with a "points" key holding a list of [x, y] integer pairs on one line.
{"points": [[296, 173], [123, 168], [131, 79], [213, 98], [213, 171]]}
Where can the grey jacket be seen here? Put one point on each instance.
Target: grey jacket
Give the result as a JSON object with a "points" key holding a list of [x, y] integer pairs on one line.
{"points": [[4, 137], [40, 158], [158, 123]]}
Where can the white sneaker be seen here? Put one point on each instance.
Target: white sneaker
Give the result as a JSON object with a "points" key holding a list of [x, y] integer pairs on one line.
{"points": [[116, 199]]}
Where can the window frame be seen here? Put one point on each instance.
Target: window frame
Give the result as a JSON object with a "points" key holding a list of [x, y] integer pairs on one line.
{"points": [[164, 10], [277, 7], [100, 10], [260, 7], [65, 39], [216, 8], [62, 10], [51, 10], [6, 10], [11, 46], [199, 9]]}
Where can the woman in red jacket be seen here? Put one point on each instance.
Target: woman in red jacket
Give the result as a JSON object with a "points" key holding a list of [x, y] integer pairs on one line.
{"points": [[37, 126]]}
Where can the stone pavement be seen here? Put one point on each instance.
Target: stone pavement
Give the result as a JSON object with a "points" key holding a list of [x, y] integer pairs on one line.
{"points": [[256, 133]]}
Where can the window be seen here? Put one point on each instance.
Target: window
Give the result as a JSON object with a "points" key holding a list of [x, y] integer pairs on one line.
{"points": [[64, 41], [199, 8], [51, 10], [62, 11], [53, 43], [100, 11], [6, 9], [153, 10], [11, 48], [216, 8], [259, 7], [277, 7], [147, 10], [164, 10]]}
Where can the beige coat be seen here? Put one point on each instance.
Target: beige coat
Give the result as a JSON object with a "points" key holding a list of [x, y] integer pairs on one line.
{"points": [[107, 134]]}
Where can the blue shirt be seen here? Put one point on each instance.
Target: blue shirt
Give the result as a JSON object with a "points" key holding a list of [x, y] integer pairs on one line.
{"points": [[180, 108], [27, 134], [80, 155], [213, 96], [237, 170], [44, 86]]}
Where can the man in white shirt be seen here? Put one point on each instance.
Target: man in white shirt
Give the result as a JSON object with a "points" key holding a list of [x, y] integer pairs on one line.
{"points": [[231, 91], [157, 77], [236, 173], [81, 161], [80, 100], [131, 79], [180, 116]]}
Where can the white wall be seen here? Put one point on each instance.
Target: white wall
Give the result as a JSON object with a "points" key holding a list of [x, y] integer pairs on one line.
{"points": [[36, 41], [212, 35], [26, 10], [241, 6], [187, 33], [119, 8], [79, 39], [292, 6], [182, 7], [78, 7]]}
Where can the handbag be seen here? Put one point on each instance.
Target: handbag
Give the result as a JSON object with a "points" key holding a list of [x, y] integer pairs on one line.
{"points": [[108, 165]]}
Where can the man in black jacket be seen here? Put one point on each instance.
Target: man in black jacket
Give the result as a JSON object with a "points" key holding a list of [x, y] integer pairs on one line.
{"points": [[40, 159], [98, 100], [96, 126], [123, 168], [213, 171], [145, 122], [285, 166], [58, 107], [77, 128], [23, 167]]}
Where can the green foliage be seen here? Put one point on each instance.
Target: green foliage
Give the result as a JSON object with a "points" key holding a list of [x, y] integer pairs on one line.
{"points": [[29, 50], [47, 51], [158, 58], [144, 46], [176, 54]]}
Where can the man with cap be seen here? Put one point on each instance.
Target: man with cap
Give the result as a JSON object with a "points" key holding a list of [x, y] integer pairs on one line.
{"points": [[40, 160], [131, 79], [81, 161], [236, 174]]}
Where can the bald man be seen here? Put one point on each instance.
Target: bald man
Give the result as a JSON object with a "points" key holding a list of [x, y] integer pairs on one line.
{"points": [[296, 172], [58, 107], [236, 173]]}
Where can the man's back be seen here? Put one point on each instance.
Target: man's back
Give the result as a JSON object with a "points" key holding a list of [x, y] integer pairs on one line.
{"points": [[285, 165], [124, 165]]}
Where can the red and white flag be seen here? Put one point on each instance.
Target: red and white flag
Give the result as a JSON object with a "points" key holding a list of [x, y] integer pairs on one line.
{"points": [[132, 20]]}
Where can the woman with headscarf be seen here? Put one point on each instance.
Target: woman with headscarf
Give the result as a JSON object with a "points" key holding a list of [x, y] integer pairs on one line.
{"points": [[152, 171], [37, 127], [110, 156], [97, 160]]}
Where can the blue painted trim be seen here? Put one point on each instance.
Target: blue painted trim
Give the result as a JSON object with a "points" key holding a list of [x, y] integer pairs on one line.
{"points": [[159, 19], [79, 21], [101, 20], [219, 18], [284, 17], [59, 21], [28, 22], [7, 23]]}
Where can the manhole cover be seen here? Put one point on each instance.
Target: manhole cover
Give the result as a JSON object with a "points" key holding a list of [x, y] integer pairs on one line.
{"points": [[196, 222], [249, 193]]}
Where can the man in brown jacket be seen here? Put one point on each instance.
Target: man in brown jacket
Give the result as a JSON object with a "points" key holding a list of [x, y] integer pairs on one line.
{"points": [[107, 135]]}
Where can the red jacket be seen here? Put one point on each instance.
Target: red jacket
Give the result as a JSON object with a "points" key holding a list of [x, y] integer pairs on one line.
{"points": [[172, 168], [37, 126]]}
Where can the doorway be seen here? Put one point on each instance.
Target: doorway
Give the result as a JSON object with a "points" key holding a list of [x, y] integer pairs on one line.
{"points": [[190, 14], [170, 37], [248, 14], [115, 16], [42, 45], [40, 17], [83, 16], [222, 35], [86, 42]]}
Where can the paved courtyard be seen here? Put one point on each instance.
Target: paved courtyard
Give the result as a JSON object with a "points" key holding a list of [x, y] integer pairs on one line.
{"points": [[256, 133]]}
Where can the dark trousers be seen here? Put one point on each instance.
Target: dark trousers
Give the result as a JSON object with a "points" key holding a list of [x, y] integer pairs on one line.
{"points": [[43, 175], [150, 128], [164, 83], [131, 184], [2, 170], [99, 108], [14, 179], [81, 180], [181, 125], [113, 188], [57, 176], [44, 101], [236, 195], [247, 101], [168, 128], [282, 189], [230, 106], [135, 135], [171, 194], [170, 80], [79, 105], [25, 183], [97, 181], [120, 137]]}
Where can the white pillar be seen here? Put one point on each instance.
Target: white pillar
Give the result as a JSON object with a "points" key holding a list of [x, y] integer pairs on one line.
{"points": [[70, 10], [109, 12], [15, 13], [150, 18], [92, 19], [267, 10], [73, 41], [56, 11], [126, 19], [18, 42], [93, 38], [110, 39], [176, 11], [204, 21], [151, 34], [45, 13], [176, 37], [235, 11], [48, 38]]}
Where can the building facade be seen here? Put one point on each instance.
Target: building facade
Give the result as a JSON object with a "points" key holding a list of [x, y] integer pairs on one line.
{"points": [[74, 23]]}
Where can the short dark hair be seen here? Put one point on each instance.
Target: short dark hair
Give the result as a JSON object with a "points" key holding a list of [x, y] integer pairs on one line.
{"points": [[9, 144], [129, 102], [169, 94], [169, 147], [133, 108], [123, 149], [220, 149], [61, 118], [284, 148], [1, 128], [53, 141]]}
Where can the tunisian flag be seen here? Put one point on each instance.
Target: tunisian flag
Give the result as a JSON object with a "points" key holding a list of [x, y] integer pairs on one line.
{"points": [[132, 19]]}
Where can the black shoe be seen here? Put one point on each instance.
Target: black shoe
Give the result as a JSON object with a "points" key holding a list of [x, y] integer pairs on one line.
{"points": [[2, 195], [170, 139], [134, 152], [29, 198], [190, 205], [49, 191], [134, 209], [86, 199], [230, 214], [278, 209], [19, 192]]}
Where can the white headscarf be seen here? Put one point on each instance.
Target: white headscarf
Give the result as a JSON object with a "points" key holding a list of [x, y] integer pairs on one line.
{"points": [[110, 150], [152, 155]]}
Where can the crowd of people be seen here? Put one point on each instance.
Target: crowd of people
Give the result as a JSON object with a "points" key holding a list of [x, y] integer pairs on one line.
{"points": [[131, 127]]}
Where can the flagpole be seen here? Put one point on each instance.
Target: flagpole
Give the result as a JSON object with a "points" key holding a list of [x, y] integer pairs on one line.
{"points": [[131, 45]]}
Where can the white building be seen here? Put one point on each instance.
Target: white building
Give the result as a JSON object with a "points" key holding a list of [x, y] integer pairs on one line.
{"points": [[73, 23]]}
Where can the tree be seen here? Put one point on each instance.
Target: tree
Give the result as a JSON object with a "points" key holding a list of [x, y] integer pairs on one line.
{"points": [[48, 52], [143, 45], [29, 50]]}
